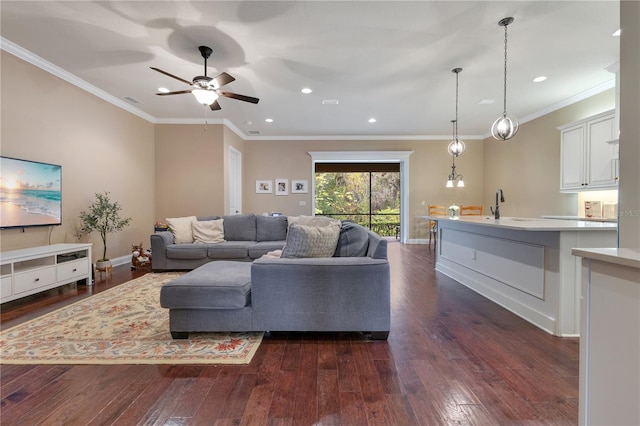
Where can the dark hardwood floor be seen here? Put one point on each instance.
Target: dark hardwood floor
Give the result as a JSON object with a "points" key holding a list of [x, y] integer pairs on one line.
{"points": [[452, 357]]}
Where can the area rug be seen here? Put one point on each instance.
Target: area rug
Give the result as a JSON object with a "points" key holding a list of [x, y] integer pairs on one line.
{"points": [[123, 325]]}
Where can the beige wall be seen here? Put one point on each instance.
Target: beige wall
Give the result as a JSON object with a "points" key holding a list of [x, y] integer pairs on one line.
{"points": [[429, 166], [527, 167], [100, 147], [190, 177]]}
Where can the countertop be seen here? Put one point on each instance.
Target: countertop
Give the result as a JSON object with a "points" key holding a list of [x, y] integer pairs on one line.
{"points": [[530, 224], [618, 256]]}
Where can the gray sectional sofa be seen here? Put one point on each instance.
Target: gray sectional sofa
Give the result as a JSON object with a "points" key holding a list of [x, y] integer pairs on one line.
{"points": [[247, 237], [349, 291]]}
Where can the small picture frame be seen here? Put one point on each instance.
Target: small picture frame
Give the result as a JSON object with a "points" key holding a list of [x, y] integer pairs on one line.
{"points": [[264, 187], [282, 186], [299, 186]]}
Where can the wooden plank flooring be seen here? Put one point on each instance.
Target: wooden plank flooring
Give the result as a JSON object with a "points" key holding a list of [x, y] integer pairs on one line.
{"points": [[452, 357]]}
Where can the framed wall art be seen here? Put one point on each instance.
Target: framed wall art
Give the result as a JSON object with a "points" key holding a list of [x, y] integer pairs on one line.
{"points": [[282, 186], [299, 186], [264, 187]]}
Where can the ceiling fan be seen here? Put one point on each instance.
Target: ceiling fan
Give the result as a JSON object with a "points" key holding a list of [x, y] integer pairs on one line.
{"points": [[207, 89]]}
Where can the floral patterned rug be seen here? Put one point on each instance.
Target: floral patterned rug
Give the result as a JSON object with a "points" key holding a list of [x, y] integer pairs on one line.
{"points": [[123, 325]]}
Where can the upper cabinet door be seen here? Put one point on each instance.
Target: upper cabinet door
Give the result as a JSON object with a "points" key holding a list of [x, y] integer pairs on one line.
{"points": [[601, 153], [572, 158]]}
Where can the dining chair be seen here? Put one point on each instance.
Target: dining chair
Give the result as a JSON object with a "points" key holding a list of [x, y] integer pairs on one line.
{"points": [[435, 210], [471, 210]]}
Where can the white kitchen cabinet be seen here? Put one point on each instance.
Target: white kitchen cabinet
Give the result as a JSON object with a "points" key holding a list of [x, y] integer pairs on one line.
{"points": [[587, 156]]}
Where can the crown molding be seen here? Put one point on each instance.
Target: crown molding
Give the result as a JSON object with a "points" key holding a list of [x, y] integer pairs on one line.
{"points": [[47, 66], [33, 59]]}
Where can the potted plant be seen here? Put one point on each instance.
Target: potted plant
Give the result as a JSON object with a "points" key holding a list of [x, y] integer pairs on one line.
{"points": [[103, 215]]}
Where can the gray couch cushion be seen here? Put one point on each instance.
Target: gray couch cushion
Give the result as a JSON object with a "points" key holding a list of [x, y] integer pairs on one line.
{"points": [[271, 228], [353, 240], [241, 227], [230, 250], [187, 251], [219, 285], [261, 248]]}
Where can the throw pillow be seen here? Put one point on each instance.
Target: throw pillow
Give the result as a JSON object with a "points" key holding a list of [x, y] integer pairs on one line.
{"points": [[313, 221], [208, 231], [181, 229], [311, 241], [240, 227], [353, 240], [271, 228]]}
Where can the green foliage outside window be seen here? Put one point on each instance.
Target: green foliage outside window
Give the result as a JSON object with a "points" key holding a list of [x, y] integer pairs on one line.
{"points": [[370, 199]]}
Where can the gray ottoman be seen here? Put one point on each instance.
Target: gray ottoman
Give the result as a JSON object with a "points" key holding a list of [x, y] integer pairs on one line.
{"points": [[216, 294]]}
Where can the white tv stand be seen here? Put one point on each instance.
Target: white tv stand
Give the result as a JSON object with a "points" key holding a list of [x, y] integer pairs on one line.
{"points": [[32, 270]]}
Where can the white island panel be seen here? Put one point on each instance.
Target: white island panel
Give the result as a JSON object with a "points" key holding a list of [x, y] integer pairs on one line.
{"points": [[522, 264]]}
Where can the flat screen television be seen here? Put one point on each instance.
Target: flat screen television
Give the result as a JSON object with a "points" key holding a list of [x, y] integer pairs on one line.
{"points": [[30, 193]]}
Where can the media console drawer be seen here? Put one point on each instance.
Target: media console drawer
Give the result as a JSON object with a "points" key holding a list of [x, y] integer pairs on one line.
{"points": [[32, 279], [73, 270]]}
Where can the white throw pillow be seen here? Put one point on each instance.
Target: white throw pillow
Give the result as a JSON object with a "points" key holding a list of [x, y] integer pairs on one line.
{"points": [[208, 231], [181, 229]]}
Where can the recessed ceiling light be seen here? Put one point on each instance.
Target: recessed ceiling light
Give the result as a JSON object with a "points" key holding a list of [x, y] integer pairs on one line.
{"points": [[269, 120], [330, 102], [163, 90], [306, 90], [617, 32], [372, 120], [539, 79], [486, 101]]}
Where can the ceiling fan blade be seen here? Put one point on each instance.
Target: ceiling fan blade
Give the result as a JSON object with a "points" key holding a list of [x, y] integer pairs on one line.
{"points": [[222, 79], [215, 106], [180, 92], [171, 75], [240, 97]]}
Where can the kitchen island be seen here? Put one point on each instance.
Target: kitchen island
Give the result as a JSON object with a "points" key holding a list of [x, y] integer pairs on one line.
{"points": [[523, 264]]}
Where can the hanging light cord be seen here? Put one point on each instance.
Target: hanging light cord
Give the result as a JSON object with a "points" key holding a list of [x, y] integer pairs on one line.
{"points": [[505, 70], [456, 123]]}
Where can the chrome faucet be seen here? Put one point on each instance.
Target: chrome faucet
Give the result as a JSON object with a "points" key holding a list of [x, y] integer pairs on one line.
{"points": [[499, 199]]}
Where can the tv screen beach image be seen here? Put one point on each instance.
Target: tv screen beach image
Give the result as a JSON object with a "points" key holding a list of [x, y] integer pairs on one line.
{"points": [[30, 193]]}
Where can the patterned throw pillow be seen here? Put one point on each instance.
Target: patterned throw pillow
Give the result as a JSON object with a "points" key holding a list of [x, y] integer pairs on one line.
{"points": [[208, 231], [311, 241], [181, 229]]}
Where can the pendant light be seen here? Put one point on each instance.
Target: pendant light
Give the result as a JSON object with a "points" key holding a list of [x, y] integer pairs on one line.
{"points": [[456, 147], [505, 127], [454, 176]]}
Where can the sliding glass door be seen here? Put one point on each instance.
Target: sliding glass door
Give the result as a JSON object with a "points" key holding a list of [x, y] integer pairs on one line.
{"points": [[368, 194]]}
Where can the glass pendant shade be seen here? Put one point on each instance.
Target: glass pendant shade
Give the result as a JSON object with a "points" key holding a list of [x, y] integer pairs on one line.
{"points": [[460, 183], [504, 127], [456, 147], [205, 97], [449, 183]]}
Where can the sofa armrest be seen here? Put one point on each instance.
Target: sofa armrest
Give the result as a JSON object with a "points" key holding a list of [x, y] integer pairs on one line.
{"points": [[159, 243], [321, 294]]}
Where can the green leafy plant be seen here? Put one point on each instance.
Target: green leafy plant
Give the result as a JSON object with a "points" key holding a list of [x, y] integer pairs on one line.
{"points": [[103, 215]]}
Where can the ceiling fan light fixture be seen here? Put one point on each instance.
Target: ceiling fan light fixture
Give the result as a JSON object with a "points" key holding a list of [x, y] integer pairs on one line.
{"points": [[205, 97]]}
